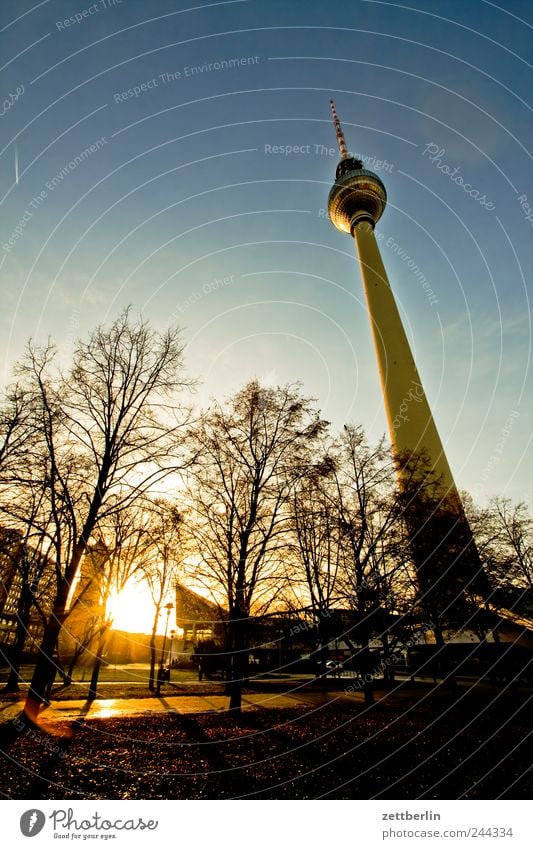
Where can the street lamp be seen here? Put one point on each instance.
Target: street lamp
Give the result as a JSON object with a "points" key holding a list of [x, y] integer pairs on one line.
{"points": [[170, 657], [168, 608]]}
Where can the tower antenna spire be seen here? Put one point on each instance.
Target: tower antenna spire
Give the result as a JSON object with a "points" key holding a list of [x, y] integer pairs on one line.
{"points": [[338, 129]]}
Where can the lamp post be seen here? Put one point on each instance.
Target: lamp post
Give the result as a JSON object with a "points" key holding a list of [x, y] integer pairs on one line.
{"points": [[168, 608], [170, 658]]}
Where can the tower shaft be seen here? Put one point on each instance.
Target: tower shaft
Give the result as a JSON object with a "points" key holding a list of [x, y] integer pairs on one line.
{"points": [[411, 426], [446, 559]]}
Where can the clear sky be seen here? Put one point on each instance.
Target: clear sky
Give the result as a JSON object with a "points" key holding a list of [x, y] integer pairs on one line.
{"points": [[178, 155]]}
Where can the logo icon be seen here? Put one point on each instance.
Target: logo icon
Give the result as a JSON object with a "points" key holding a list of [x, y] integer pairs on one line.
{"points": [[32, 822]]}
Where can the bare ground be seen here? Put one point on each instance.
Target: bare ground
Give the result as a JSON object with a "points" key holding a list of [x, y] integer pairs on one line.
{"points": [[435, 745]]}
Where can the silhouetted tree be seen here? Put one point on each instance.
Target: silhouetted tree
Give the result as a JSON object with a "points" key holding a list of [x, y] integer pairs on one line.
{"points": [[317, 532], [514, 528], [368, 514], [161, 565], [503, 532], [117, 556], [250, 451], [103, 434]]}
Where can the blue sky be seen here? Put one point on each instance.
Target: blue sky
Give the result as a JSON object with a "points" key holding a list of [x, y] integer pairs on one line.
{"points": [[189, 207]]}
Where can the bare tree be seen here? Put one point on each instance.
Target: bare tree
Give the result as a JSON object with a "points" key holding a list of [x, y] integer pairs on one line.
{"points": [[26, 481], [77, 637], [117, 557], [16, 427], [318, 548], [161, 565], [250, 450], [368, 512], [106, 432], [503, 535], [514, 528], [21, 545]]}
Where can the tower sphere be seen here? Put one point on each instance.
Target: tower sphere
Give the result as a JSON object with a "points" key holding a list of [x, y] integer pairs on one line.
{"points": [[357, 195]]}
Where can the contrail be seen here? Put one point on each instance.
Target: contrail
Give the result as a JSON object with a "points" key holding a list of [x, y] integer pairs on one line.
{"points": [[16, 165]]}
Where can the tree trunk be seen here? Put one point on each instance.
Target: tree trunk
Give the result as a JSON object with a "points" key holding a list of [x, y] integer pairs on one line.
{"points": [[76, 657], [45, 668], [44, 672], [239, 627], [366, 672], [23, 619], [323, 642], [93, 692], [438, 634], [97, 664], [388, 668], [228, 659], [442, 660], [151, 680], [363, 632]]}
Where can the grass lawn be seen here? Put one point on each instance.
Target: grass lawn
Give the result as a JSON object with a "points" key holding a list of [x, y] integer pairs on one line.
{"points": [[136, 673]]}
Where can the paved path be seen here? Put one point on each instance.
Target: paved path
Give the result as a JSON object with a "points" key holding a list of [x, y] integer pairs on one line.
{"points": [[105, 708]]}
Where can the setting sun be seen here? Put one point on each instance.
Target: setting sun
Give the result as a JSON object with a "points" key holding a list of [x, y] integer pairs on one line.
{"points": [[133, 610]]}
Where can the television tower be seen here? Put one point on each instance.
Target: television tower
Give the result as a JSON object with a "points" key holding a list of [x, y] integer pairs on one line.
{"points": [[356, 202]]}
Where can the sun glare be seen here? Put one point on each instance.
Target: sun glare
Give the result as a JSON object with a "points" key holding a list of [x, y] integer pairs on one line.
{"points": [[132, 609]]}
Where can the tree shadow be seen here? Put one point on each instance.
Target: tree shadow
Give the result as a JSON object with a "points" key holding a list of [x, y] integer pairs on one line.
{"points": [[54, 740], [49, 767], [167, 706], [10, 731]]}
